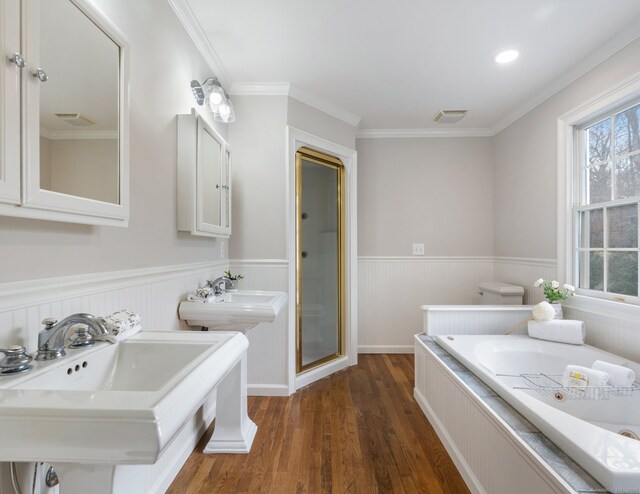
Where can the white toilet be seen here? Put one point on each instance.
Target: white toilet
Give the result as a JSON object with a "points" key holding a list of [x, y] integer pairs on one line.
{"points": [[497, 293]]}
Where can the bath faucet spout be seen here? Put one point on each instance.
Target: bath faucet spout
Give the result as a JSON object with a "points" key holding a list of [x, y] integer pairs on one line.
{"points": [[215, 284], [51, 338]]}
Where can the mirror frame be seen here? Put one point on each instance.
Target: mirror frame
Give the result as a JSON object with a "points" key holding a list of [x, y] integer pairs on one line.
{"points": [[46, 204]]}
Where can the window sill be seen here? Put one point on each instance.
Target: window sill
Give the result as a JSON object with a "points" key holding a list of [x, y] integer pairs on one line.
{"points": [[622, 311]]}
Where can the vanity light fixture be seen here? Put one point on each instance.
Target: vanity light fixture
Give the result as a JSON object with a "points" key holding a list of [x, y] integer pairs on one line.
{"points": [[506, 56], [212, 93]]}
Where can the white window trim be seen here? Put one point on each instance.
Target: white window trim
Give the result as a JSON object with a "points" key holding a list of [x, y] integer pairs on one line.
{"points": [[621, 94]]}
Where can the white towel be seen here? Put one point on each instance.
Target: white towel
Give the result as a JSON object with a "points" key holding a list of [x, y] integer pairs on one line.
{"points": [[203, 292], [204, 300], [560, 330], [121, 325], [586, 382], [618, 375]]}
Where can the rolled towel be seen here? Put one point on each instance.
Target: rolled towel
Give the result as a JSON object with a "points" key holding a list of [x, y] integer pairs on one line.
{"points": [[560, 330], [122, 324], [203, 300], [618, 375], [585, 381]]}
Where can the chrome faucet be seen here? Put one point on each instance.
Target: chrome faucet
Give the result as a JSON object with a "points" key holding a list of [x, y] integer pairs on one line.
{"points": [[215, 284], [51, 338]]}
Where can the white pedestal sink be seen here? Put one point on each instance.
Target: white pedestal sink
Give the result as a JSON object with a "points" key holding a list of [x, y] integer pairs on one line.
{"points": [[124, 403], [234, 311]]}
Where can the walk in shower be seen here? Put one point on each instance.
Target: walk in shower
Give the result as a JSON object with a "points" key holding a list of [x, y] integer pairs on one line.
{"points": [[320, 259]]}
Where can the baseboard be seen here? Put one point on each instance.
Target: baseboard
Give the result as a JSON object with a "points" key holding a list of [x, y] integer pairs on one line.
{"points": [[385, 349], [465, 471], [268, 390]]}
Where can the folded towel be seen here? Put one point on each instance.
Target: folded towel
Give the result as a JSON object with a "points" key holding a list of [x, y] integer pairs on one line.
{"points": [[618, 375], [583, 381], [121, 324], [560, 330], [203, 292], [204, 300]]}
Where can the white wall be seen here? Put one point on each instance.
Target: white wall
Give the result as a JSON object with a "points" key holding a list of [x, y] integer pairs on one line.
{"points": [[436, 191], [526, 162], [258, 175], [163, 60]]}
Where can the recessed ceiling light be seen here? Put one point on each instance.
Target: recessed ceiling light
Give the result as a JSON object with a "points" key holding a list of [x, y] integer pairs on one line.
{"points": [[506, 56]]}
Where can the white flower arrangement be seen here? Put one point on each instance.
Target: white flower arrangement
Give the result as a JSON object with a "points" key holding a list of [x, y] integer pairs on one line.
{"points": [[552, 291]]}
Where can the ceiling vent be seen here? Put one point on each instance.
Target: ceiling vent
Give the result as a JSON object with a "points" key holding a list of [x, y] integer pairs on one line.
{"points": [[449, 116], [75, 119]]}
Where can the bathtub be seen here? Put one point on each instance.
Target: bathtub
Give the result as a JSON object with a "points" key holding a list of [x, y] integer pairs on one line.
{"points": [[589, 430]]}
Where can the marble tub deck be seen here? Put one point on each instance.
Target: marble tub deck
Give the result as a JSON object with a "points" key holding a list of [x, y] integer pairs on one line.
{"points": [[565, 467]]}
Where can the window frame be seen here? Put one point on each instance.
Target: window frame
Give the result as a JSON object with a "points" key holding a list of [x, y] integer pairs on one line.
{"points": [[581, 204], [570, 150]]}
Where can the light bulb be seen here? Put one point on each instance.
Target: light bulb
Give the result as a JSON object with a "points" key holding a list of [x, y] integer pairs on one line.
{"points": [[224, 110]]}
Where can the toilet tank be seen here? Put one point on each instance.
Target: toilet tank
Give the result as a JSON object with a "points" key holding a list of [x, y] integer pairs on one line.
{"points": [[497, 293]]}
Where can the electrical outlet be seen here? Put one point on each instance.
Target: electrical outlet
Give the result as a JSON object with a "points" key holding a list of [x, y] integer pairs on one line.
{"points": [[418, 249]]}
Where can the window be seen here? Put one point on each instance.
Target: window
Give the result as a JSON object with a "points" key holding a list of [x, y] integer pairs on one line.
{"points": [[605, 211]]}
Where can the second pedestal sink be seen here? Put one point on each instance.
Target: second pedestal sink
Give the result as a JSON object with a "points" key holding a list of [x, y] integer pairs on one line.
{"points": [[234, 311]]}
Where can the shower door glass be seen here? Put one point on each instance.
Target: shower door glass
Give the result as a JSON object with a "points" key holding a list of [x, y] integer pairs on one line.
{"points": [[320, 234]]}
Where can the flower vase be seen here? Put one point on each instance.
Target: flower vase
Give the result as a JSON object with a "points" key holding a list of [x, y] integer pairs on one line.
{"points": [[558, 308]]}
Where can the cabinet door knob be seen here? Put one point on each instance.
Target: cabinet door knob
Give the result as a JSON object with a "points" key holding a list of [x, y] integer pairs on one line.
{"points": [[41, 74], [18, 60]]}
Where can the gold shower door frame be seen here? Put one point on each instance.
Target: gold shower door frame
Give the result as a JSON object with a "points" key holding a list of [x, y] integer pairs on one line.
{"points": [[328, 161]]}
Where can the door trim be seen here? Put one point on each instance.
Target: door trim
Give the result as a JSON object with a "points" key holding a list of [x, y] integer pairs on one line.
{"points": [[295, 139]]}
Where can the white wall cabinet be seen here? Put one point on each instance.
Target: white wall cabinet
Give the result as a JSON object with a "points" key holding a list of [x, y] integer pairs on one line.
{"points": [[204, 179], [64, 114]]}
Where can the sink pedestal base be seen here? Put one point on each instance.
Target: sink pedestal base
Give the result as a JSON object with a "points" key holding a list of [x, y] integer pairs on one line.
{"points": [[234, 430]]}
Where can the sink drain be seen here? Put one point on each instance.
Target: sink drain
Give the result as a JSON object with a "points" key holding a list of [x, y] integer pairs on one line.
{"points": [[629, 434], [558, 395]]}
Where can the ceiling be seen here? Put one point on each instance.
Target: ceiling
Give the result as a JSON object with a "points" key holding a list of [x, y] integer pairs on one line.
{"points": [[396, 64]]}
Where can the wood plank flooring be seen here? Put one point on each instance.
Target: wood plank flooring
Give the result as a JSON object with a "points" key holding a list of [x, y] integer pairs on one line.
{"points": [[358, 430]]}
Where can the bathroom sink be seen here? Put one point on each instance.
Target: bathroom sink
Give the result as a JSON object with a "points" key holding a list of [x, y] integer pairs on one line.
{"points": [[113, 403], [234, 311]]}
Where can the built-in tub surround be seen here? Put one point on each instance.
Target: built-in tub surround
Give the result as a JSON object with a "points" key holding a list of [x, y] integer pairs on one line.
{"points": [[496, 449], [586, 429]]}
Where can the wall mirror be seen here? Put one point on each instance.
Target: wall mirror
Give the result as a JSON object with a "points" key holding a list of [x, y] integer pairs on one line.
{"points": [[204, 178], [78, 111], [68, 112]]}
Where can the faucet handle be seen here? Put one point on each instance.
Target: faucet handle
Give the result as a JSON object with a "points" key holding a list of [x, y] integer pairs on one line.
{"points": [[49, 322], [16, 360]]}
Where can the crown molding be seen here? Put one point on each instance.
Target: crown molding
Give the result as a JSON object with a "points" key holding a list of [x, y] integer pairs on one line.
{"points": [[288, 89], [418, 133], [325, 106], [607, 50], [199, 38]]}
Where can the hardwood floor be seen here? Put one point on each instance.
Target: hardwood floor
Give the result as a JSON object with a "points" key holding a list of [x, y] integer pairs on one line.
{"points": [[359, 430]]}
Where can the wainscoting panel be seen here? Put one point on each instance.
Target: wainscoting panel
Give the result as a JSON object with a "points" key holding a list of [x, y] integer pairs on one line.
{"points": [[524, 272], [154, 293], [391, 291], [267, 356]]}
